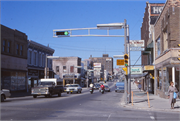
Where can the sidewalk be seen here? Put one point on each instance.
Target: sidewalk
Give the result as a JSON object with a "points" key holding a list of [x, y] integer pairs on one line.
{"points": [[140, 101]]}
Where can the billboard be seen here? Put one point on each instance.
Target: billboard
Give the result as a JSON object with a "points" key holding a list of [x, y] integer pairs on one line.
{"points": [[97, 65]]}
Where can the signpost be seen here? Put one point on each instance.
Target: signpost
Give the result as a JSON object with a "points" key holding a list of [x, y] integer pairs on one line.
{"points": [[136, 45], [120, 62]]}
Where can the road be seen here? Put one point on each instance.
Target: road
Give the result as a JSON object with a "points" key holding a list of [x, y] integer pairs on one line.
{"points": [[84, 106]]}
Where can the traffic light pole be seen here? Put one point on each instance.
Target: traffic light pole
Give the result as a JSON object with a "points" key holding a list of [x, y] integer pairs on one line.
{"points": [[125, 52], [129, 71]]}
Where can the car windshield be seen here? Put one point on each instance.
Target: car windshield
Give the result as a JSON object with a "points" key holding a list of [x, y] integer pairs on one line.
{"points": [[106, 86], [97, 84], [73, 85], [46, 83], [119, 84]]}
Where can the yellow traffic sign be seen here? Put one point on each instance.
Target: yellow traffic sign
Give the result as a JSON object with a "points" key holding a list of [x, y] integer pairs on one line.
{"points": [[120, 62], [126, 70]]}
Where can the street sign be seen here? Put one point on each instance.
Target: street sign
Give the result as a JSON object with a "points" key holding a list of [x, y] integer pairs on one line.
{"points": [[120, 62], [136, 70], [137, 49], [136, 43]]}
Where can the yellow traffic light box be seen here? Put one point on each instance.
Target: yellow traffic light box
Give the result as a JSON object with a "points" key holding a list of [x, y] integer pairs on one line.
{"points": [[126, 70], [126, 58]]}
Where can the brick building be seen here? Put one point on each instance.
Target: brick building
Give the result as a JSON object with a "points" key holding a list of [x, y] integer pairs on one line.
{"points": [[13, 59], [167, 52], [152, 11]]}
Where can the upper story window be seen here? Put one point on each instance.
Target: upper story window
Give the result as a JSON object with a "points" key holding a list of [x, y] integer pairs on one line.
{"points": [[30, 57], [4, 45], [158, 46], [71, 69], [64, 69], [9, 46], [17, 49], [39, 59], [21, 50], [43, 60], [57, 68], [35, 58]]}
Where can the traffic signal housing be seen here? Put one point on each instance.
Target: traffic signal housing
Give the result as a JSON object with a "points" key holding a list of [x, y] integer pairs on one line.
{"points": [[65, 33], [126, 59]]}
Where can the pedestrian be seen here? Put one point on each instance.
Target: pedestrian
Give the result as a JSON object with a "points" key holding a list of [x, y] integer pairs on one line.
{"points": [[172, 89], [139, 86]]}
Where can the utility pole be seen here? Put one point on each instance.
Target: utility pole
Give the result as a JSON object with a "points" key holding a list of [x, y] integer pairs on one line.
{"points": [[125, 51]]}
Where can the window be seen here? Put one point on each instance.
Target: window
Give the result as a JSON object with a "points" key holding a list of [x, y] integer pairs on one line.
{"points": [[39, 59], [21, 50], [30, 57], [4, 45], [158, 46], [64, 69], [71, 69], [165, 38], [43, 60], [9, 45], [35, 54], [57, 68], [17, 49]]}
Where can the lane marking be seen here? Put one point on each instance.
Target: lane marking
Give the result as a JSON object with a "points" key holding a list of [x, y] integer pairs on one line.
{"points": [[109, 116]]}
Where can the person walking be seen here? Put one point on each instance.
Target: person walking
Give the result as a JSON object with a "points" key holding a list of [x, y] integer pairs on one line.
{"points": [[172, 89], [139, 86]]}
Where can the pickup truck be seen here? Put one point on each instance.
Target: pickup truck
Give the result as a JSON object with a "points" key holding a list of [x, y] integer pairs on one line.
{"points": [[47, 87]]}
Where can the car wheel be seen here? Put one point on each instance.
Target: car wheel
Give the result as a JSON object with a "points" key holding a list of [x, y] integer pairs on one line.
{"points": [[71, 92], [80, 91], [67, 92], [46, 96], [34, 96], [2, 98], [50, 95], [59, 94], [115, 91]]}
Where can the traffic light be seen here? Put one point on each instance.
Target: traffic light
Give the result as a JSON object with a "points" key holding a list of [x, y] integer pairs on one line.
{"points": [[66, 33], [126, 58], [126, 70], [178, 45]]}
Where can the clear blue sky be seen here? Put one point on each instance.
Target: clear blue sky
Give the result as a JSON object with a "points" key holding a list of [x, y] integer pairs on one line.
{"points": [[38, 19]]}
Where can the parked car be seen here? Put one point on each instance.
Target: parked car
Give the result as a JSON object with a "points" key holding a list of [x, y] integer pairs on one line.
{"points": [[107, 88], [119, 86], [5, 93], [70, 88]]}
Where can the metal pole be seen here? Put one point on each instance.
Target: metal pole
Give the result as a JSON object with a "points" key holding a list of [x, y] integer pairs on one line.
{"points": [[125, 51], [129, 71], [87, 78], [46, 68]]}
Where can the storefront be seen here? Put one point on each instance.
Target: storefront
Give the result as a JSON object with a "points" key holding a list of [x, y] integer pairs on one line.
{"points": [[13, 80], [68, 79]]}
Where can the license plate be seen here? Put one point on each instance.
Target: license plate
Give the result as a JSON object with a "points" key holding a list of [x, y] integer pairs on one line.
{"points": [[71, 91], [90, 90], [64, 90]]}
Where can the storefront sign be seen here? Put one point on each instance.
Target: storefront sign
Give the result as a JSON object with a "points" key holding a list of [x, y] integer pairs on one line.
{"points": [[136, 70], [136, 43], [97, 65], [32, 72], [148, 68]]}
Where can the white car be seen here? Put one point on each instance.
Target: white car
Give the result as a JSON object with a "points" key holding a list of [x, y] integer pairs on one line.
{"points": [[4, 94], [70, 88]]}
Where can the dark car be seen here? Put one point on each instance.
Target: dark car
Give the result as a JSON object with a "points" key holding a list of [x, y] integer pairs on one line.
{"points": [[119, 86], [97, 86], [106, 88]]}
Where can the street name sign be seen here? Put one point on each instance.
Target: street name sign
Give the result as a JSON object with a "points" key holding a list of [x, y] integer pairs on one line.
{"points": [[136, 70], [120, 62]]}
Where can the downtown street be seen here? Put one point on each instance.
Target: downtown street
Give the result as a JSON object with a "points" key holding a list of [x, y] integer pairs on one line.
{"points": [[84, 106]]}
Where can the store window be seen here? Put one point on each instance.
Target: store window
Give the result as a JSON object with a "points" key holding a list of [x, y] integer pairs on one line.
{"points": [[159, 79], [9, 46]]}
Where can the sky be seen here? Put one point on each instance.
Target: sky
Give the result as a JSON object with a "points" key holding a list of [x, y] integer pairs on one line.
{"points": [[38, 19]]}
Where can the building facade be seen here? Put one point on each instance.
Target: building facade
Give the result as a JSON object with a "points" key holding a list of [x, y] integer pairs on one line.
{"points": [[166, 50], [66, 68], [37, 61], [13, 59], [152, 11], [106, 62]]}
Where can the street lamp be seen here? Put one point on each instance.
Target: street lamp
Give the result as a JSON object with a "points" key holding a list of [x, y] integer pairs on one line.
{"points": [[110, 26], [74, 74], [118, 56], [50, 57]]}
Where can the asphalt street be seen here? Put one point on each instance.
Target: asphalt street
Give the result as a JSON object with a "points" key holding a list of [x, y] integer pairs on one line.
{"points": [[84, 106]]}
